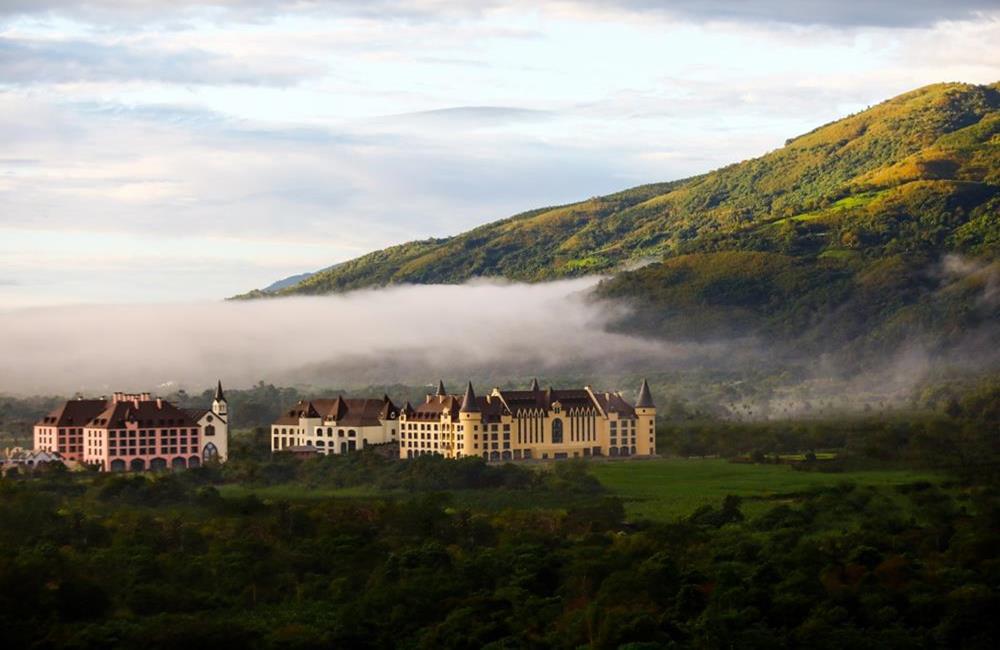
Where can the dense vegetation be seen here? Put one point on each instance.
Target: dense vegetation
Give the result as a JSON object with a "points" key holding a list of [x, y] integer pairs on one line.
{"points": [[841, 237], [166, 562]]}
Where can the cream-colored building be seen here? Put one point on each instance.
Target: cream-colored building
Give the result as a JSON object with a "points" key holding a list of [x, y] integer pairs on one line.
{"points": [[529, 424], [336, 426]]}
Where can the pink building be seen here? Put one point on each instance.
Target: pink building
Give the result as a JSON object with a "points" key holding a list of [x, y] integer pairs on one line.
{"points": [[129, 432]]}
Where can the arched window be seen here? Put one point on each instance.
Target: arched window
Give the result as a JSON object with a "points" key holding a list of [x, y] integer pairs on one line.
{"points": [[557, 431], [210, 452], [210, 430]]}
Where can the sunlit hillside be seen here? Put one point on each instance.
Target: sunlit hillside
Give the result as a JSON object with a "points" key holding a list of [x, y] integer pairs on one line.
{"points": [[917, 173]]}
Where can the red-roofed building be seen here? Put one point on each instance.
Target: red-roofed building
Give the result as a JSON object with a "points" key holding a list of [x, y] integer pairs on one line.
{"points": [[135, 432], [529, 424]]}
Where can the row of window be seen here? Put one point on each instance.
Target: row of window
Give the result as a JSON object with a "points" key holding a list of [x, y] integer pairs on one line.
{"points": [[146, 451]]}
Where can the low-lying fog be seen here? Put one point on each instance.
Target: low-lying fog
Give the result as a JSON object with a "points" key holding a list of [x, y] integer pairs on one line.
{"points": [[401, 334]]}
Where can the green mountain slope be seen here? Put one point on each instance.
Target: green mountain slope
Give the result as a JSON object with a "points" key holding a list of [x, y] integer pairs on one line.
{"points": [[919, 172]]}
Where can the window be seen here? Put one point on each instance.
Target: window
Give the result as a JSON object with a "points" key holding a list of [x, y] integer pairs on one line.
{"points": [[557, 431], [210, 430]]}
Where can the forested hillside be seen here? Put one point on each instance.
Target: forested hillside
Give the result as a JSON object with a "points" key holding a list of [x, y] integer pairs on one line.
{"points": [[918, 172], [875, 226]]}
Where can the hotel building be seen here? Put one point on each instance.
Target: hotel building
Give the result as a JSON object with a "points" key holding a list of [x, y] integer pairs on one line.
{"points": [[529, 424], [135, 432], [335, 426]]}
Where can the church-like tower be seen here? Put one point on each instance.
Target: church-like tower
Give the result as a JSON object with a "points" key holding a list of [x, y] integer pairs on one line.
{"points": [[215, 430]]}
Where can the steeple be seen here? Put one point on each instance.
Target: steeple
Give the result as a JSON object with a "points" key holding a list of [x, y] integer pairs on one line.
{"points": [[469, 404], [441, 391], [645, 400], [219, 396], [534, 385]]}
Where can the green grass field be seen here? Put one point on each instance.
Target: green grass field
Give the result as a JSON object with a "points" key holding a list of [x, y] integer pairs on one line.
{"points": [[667, 489], [662, 490]]}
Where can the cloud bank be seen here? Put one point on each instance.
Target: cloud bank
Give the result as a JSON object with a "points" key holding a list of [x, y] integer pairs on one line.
{"points": [[400, 334], [846, 13]]}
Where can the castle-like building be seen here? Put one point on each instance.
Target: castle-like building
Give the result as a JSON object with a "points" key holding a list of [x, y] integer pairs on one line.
{"points": [[136, 432], [335, 426], [529, 424]]}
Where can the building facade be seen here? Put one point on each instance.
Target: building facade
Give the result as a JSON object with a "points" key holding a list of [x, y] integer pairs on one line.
{"points": [[335, 426], [135, 432], [214, 425], [529, 424]]}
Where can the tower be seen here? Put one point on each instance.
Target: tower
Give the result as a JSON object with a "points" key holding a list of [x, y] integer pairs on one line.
{"points": [[215, 429], [645, 411], [219, 405], [471, 419]]}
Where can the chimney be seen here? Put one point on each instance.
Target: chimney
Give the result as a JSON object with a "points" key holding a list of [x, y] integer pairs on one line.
{"points": [[159, 404]]}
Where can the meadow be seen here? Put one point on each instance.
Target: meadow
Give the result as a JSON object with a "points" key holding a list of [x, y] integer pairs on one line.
{"points": [[664, 490], [671, 488]]}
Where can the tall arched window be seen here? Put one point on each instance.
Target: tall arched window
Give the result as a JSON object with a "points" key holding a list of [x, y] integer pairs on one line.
{"points": [[210, 430], [211, 452], [557, 431]]}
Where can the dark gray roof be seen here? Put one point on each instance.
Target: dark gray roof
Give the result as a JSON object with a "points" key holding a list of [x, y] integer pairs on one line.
{"points": [[469, 404], [645, 399]]}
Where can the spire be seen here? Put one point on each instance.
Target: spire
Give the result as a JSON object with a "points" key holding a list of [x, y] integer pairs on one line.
{"points": [[219, 396], [645, 400], [469, 404], [534, 385], [441, 391]]}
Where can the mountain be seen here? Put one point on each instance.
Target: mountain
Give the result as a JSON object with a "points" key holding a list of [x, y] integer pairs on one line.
{"points": [[891, 216], [290, 281], [933, 146]]}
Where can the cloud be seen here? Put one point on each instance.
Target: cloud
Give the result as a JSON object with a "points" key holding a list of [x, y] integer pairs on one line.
{"points": [[411, 333], [468, 116], [846, 13], [843, 14], [36, 61]]}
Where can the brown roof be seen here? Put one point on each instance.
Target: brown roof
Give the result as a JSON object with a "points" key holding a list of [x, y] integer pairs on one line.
{"points": [[74, 413], [147, 413], [512, 402], [351, 412], [105, 413], [197, 414]]}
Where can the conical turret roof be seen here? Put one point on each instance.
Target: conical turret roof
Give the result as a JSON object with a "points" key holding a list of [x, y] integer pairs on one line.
{"points": [[469, 404], [645, 397], [219, 396], [441, 391], [534, 385]]}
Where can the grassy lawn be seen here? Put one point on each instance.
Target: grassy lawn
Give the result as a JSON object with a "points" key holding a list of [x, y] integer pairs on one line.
{"points": [[662, 490], [667, 489]]}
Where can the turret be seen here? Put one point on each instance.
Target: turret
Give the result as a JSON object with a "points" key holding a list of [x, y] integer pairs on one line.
{"points": [[469, 404], [645, 411], [471, 418]]}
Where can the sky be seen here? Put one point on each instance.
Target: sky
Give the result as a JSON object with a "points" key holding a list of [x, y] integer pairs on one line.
{"points": [[180, 151]]}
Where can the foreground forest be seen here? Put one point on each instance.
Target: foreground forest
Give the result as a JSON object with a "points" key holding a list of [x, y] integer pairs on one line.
{"points": [[166, 562]]}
